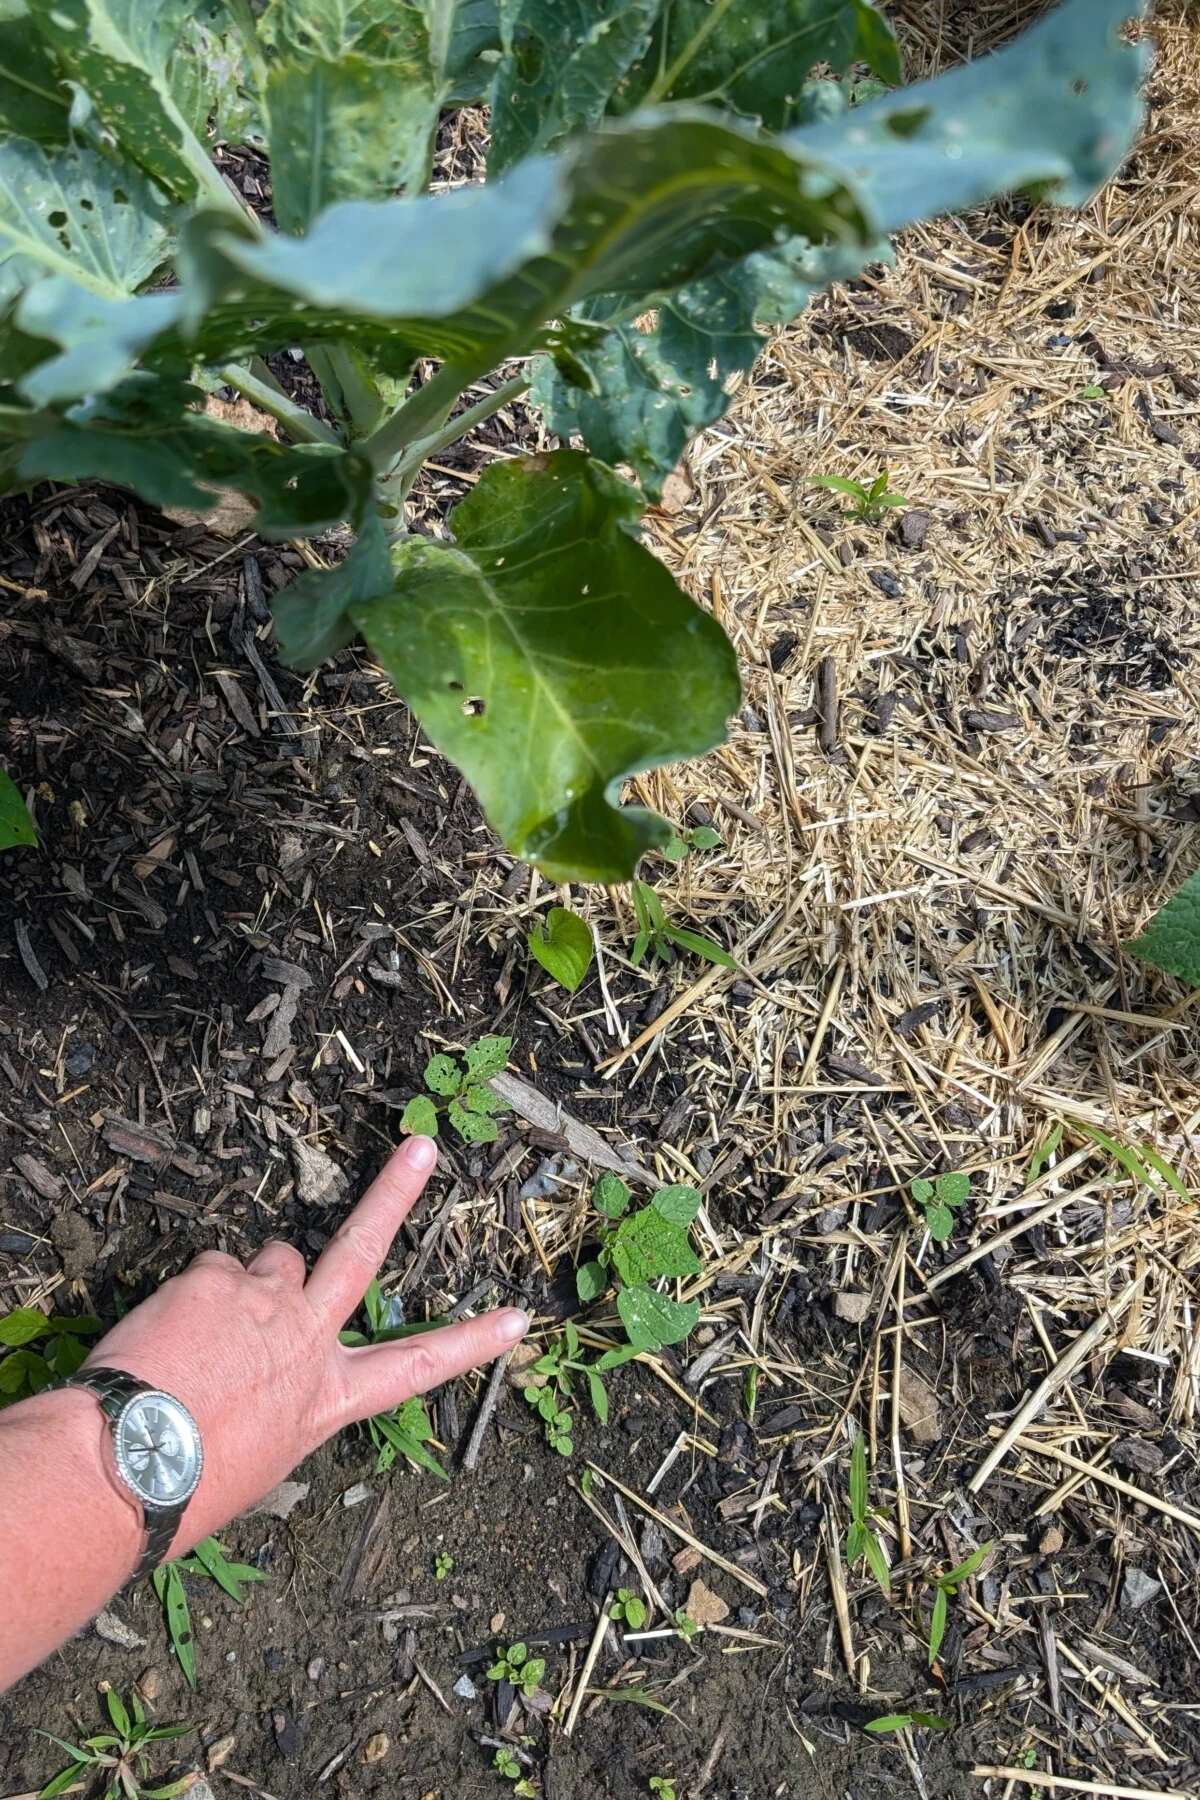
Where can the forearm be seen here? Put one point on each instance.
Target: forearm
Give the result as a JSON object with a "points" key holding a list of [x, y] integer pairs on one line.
{"points": [[69, 1539]]}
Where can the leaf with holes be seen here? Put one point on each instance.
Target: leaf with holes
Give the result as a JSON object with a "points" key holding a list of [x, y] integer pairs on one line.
{"points": [[420, 1117], [442, 1075], [645, 1246], [16, 827]]}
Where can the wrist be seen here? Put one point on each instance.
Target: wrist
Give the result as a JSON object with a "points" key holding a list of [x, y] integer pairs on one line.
{"points": [[63, 1435]]}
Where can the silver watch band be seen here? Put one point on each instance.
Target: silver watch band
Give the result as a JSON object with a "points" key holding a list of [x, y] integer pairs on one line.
{"points": [[113, 1388]]}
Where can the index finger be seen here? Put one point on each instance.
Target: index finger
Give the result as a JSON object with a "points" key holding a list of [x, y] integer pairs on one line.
{"points": [[356, 1251]]}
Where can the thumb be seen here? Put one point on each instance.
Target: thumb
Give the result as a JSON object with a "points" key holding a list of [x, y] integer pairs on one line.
{"points": [[381, 1376]]}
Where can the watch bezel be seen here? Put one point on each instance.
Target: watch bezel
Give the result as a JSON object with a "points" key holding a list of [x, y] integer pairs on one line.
{"points": [[124, 1469]]}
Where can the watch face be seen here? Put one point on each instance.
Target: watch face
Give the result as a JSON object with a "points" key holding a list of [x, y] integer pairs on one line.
{"points": [[158, 1449]]}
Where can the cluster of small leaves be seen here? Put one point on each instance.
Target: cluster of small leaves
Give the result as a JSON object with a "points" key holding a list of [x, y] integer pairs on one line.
{"points": [[663, 1786], [208, 1558], [870, 503], [16, 827], [628, 1609], [563, 946], [661, 937], [24, 1371], [938, 1198], [945, 1585], [861, 1537], [119, 1756], [637, 1249], [505, 1763], [559, 1365], [516, 1666], [695, 837], [443, 1565], [463, 1092], [405, 1430]]}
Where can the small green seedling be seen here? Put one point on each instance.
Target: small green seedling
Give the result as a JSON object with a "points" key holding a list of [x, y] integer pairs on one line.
{"points": [[557, 1420], [638, 1249], [118, 1756], [24, 1371], [869, 502], [937, 1198], [1043, 1153], [208, 1558], [663, 1786], [443, 1565], [946, 1585], [406, 1430], [628, 1609], [506, 1764], [558, 1365], [861, 1538], [697, 837], [564, 946], [1141, 1164], [462, 1087], [515, 1665], [16, 827], [659, 936], [1094, 391], [902, 1721], [687, 1627]]}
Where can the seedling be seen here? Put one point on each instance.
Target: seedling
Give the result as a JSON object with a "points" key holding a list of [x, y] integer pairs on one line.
{"points": [[937, 1199], [16, 827], [118, 1756], [687, 1626], [870, 503], [628, 1609], [902, 1721], [861, 1538], [406, 1430], [1142, 1164], [515, 1665], [1041, 1156], [946, 1585], [506, 1764], [663, 1786], [638, 1249], [564, 946], [443, 1565], [24, 1371], [463, 1092], [557, 1420], [697, 837], [659, 936], [558, 1365], [208, 1558]]}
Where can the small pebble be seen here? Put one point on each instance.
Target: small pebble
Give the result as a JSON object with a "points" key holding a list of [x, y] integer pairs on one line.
{"points": [[231, 1656], [465, 1688], [1051, 1541], [273, 1659], [316, 1668], [80, 1060], [377, 1747], [148, 1681]]}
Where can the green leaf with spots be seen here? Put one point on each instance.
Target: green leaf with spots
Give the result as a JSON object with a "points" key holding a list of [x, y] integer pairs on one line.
{"points": [[678, 1204], [753, 56], [652, 1320], [472, 1127], [442, 1075], [610, 1196], [940, 1221], [488, 1056], [419, 1117], [33, 102], [563, 946], [16, 827], [646, 1246], [514, 650], [73, 212], [590, 1282], [1171, 941], [562, 59], [952, 1188]]}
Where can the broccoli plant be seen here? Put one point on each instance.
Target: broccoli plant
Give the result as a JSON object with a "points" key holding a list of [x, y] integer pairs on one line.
{"points": [[464, 1088], [637, 1249], [665, 181]]}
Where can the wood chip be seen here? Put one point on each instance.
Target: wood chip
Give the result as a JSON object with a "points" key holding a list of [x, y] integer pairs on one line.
{"points": [[919, 1412], [42, 1180]]}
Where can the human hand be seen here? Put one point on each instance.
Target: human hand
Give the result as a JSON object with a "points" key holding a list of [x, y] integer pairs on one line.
{"points": [[253, 1351]]}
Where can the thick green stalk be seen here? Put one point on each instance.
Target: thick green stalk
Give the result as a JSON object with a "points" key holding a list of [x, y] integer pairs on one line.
{"points": [[426, 411], [299, 424], [410, 462]]}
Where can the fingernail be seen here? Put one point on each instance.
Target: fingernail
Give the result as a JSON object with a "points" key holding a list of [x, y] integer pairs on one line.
{"points": [[512, 1324], [420, 1153]]}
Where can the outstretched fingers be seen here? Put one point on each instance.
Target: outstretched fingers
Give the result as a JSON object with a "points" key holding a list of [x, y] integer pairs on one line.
{"points": [[385, 1375], [358, 1247]]}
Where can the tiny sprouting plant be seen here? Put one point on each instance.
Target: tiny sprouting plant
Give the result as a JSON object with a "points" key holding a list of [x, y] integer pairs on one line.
{"points": [[870, 503], [24, 1371], [563, 946], [207, 1558], [16, 827], [559, 1365], [1142, 1164], [556, 1419], [663, 1786], [119, 1756], [937, 1200], [945, 1585], [685, 1625], [902, 1721], [462, 1086], [515, 1665], [406, 1430], [637, 1249], [506, 1764], [661, 937], [861, 1538], [1042, 1154], [695, 837], [628, 1609], [443, 1565]]}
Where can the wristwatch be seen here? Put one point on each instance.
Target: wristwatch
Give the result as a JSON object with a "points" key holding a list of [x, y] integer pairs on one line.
{"points": [[156, 1448]]}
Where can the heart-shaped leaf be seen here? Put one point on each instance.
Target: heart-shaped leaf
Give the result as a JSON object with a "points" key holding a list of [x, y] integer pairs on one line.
{"points": [[563, 946], [651, 1319]]}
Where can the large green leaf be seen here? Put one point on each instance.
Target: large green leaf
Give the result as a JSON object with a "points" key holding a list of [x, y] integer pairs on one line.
{"points": [[353, 102], [73, 212], [143, 436], [100, 339], [550, 655], [33, 102], [652, 1319], [562, 59], [1171, 940], [647, 1246], [753, 55], [464, 45], [639, 208], [16, 827]]}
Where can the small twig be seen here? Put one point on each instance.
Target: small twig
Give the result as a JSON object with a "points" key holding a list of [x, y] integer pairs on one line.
{"points": [[837, 1587], [487, 1408], [37, 974], [673, 1526], [1037, 1778], [827, 705], [585, 1674], [818, 1036], [1034, 1447], [433, 1687]]}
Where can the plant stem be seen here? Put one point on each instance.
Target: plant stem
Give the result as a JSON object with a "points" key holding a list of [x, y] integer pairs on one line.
{"points": [[365, 406], [426, 447], [299, 424], [429, 407]]}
